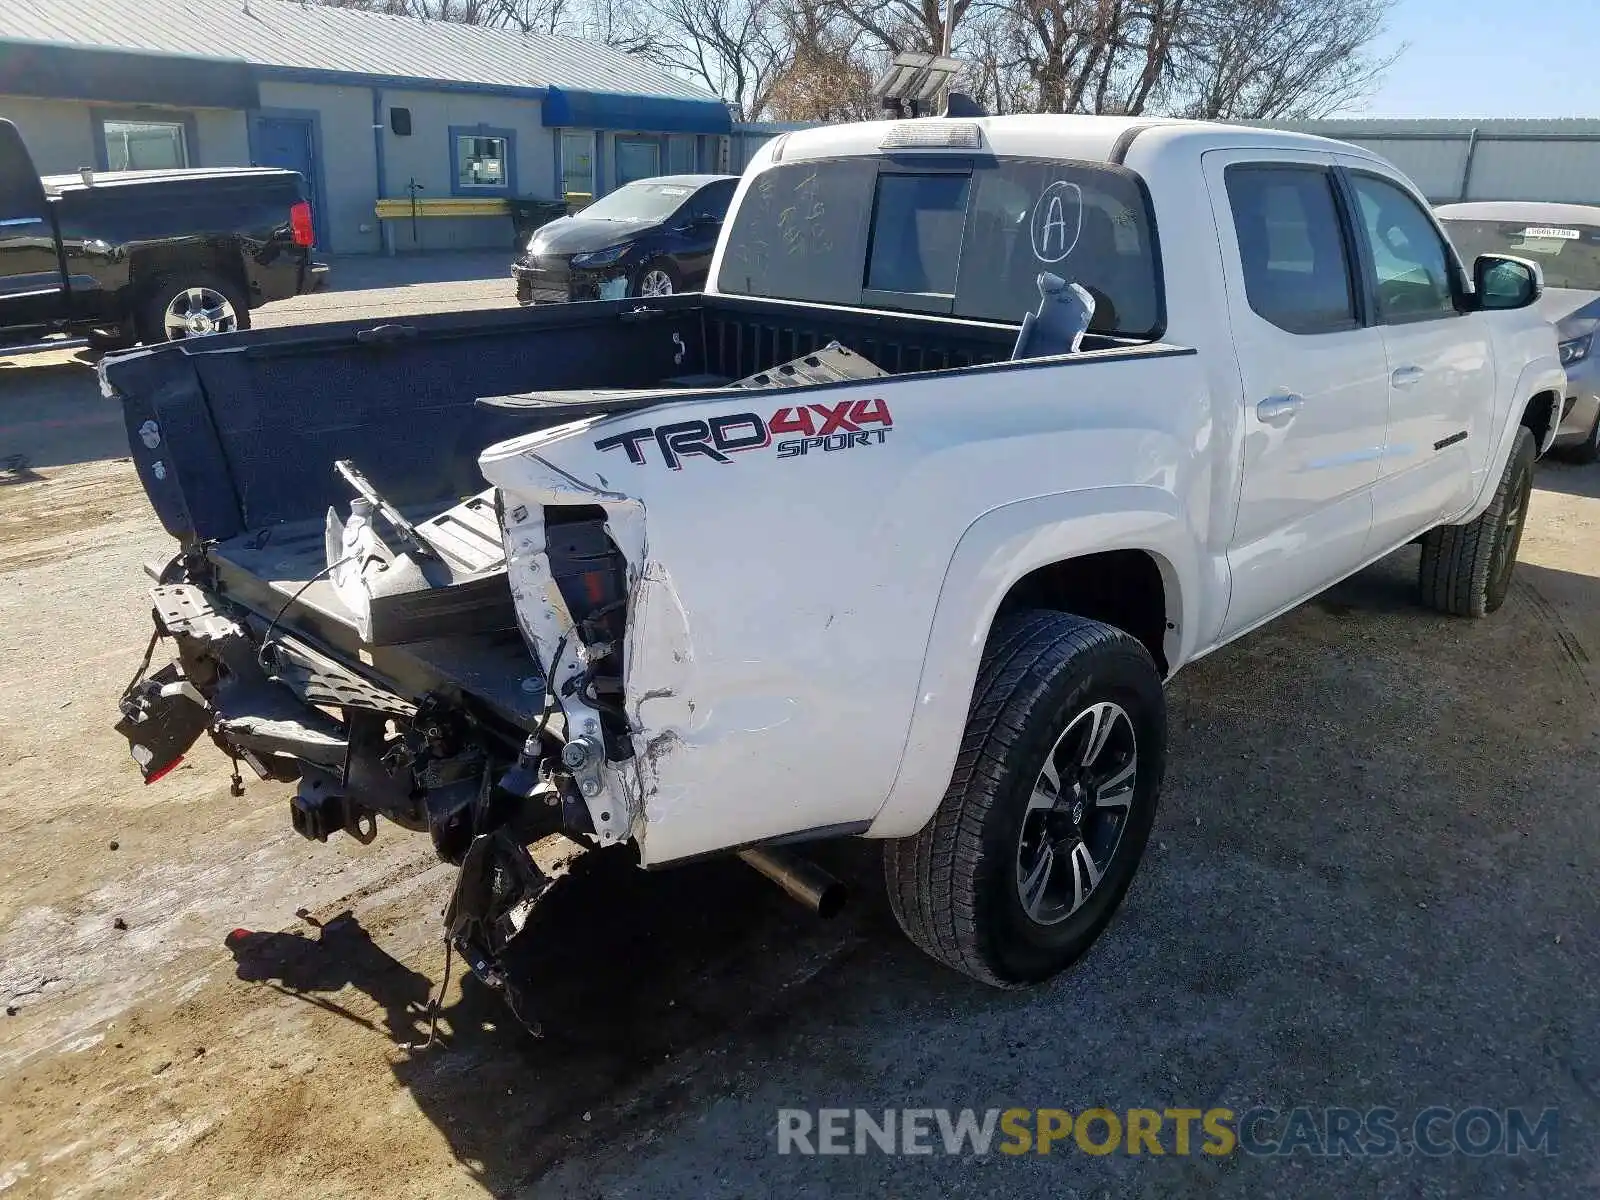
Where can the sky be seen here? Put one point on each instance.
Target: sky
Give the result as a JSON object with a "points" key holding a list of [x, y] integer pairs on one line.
{"points": [[1491, 58]]}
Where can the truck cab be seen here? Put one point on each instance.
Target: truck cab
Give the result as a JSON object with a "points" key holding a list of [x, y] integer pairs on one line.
{"points": [[33, 288]]}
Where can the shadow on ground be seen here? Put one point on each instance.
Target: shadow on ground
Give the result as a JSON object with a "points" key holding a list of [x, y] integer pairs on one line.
{"points": [[624, 971], [52, 414], [370, 272], [1556, 475]]}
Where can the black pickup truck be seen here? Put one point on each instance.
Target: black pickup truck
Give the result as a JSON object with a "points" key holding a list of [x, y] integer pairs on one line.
{"points": [[126, 256]]}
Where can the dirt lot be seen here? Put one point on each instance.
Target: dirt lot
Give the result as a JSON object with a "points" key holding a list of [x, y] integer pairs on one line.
{"points": [[1373, 882]]}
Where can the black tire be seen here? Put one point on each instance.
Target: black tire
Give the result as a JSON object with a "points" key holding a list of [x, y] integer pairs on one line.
{"points": [[1466, 569], [1589, 451], [160, 293], [663, 265], [955, 887]]}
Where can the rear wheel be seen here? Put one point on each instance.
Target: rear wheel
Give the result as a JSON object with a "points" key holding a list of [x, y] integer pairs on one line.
{"points": [[1466, 569], [1037, 839], [191, 303]]}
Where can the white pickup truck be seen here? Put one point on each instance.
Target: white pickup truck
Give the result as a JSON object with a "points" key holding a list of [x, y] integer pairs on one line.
{"points": [[928, 592]]}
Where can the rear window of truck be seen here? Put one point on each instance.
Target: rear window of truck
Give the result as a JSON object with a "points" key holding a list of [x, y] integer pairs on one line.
{"points": [[966, 240]]}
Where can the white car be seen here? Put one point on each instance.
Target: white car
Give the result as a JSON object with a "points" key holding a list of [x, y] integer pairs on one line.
{"points": [[932, 602]]}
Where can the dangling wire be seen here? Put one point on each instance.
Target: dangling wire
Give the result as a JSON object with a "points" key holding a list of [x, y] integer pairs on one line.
{"points": [[266, 638]]}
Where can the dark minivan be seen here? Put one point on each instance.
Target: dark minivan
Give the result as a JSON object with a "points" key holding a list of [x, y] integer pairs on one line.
{"points": [[652, 237]]}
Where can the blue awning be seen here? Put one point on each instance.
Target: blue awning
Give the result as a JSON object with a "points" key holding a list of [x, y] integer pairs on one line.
{"points": [[634, 113]]}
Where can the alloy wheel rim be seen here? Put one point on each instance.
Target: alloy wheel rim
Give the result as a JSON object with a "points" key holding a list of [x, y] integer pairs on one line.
{"points": [[656, 283], [199, 312], [1077, 813]]}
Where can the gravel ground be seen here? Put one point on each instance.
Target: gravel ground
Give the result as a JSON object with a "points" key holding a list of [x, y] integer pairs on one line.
{"points": [[1372, 883]]}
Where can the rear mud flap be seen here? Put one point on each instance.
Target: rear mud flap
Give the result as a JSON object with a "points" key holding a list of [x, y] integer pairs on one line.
{"points": [[161, 718]]}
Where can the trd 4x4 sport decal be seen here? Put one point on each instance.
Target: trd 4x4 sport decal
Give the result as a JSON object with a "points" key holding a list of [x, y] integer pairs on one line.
{"points": [[822, 428]]}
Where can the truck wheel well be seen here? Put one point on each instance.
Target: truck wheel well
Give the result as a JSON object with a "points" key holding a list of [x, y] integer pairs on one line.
{"points": [[221, 258], [1541, 416], [1122, 588]]}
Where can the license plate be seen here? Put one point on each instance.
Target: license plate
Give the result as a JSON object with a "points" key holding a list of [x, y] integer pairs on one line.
{"points": [[1550, 231]]}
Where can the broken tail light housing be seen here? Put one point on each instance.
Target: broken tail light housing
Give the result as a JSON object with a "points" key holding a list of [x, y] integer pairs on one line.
{"points": [[300, 225]]}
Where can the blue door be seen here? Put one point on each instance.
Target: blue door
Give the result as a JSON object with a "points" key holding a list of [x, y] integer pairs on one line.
{"points": [[287, 142]]}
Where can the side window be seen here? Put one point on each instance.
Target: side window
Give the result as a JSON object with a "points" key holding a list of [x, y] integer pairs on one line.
{"points": [[712, 200], [1296, 265], [1409, 255]]}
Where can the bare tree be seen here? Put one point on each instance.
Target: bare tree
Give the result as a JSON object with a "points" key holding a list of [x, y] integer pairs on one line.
{"points": [[1250, 59], [616, 23], [735, 47], [1282, 58], [829, 72]]}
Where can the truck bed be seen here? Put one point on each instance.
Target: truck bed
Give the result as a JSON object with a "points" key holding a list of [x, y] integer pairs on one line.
{"points": [[253, 422]]}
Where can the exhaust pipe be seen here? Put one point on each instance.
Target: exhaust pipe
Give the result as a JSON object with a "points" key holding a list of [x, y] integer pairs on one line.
{"points": [[805, 882]]}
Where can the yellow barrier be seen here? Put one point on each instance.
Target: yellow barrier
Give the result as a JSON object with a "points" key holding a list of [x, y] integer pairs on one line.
{"points": [[454, 206]]}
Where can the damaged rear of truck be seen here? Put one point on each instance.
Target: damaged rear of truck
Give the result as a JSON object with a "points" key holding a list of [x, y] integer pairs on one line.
{"points": [[857, 543]]}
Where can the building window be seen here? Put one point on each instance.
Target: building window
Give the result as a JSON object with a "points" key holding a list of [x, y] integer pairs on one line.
{"points": [[577, 164], [145, 145], [481, 162]]}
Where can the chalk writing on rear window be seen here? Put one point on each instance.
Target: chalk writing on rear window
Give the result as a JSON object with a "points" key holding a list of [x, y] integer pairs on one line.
{"points": [[1057, 221]]}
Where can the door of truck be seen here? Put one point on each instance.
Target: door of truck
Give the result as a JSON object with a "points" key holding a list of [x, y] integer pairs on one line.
{"points": [[1315, 380], [32, 290], [1441, 364]]}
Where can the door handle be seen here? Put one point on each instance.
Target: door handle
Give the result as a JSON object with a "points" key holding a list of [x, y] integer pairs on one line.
{"points": [[1279, 409], [1406, 376]]}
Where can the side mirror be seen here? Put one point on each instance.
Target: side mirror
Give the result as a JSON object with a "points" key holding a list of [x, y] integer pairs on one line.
{"points": [[1502, 282]]}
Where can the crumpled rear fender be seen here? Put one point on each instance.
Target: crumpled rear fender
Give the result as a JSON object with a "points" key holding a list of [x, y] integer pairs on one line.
{"points": [[997, 550]]}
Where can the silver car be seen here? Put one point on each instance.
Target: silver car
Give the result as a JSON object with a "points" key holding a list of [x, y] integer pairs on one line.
{"points": [[1564, 239]]}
